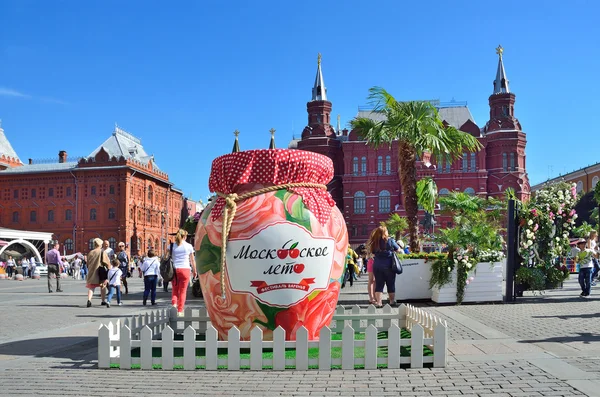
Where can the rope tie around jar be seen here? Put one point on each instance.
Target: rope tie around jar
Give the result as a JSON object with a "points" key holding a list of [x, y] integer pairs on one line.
{"points": [[230, 209]]}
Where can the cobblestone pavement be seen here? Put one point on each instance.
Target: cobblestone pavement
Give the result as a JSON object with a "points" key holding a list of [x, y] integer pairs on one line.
{"points": [[537, 347]]}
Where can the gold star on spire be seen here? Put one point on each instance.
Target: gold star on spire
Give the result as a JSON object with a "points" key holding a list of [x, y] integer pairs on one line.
{"points": [[272, 131], [319, 59], [499, 51], [236, 133]]}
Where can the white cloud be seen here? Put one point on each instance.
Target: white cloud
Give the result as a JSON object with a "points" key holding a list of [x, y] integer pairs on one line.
{"points": [[9, 92], [13, 93]]}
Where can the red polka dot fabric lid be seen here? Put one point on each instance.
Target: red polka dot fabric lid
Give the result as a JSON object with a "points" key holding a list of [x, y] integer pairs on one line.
{"points": [[274, 167]]}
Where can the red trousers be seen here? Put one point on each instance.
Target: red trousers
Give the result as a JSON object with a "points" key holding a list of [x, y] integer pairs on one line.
{"points": [[180, 283]]}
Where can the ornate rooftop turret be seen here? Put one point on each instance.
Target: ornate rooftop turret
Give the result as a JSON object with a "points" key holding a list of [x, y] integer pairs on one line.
{"points": [[8, 156], [501, 82], [319, 92], [272, 144], [236, 144]]}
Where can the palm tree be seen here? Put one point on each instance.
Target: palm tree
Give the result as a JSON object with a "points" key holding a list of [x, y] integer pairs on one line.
{"points": [[418, 128], [396, 225]]}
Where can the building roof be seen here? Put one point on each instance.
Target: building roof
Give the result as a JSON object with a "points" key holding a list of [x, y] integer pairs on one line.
{"points": [[6, 148], [32, 168], [123, 144], [455, 116]]}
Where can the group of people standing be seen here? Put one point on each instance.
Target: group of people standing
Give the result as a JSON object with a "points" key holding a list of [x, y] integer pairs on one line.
{"points": [[108, 271], [27, 266]]}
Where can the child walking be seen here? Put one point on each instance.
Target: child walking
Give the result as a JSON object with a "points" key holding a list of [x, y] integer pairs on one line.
{"points": [[114, 282]]}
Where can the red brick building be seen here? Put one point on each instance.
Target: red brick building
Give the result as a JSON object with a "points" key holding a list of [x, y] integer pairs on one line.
{"points": [[117, 193], [366, 185]]}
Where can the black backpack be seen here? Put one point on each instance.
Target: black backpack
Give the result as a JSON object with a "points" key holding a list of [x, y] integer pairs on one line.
{"points": [[167, 270]]}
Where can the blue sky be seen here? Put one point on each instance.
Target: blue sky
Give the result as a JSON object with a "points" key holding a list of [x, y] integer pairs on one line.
{"points": [[184, 75]]}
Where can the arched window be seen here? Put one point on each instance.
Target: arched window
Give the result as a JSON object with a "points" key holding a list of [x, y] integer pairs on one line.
{"points": [[139, 218], [93, 214], [384, 202], [156, 244], [448, 164], [388, 165], [470, 191], [465, 162], [111, 189], [111, 213], [15, 216], [473, 162], [579, 186], [504, 162], [93, 190], [51, 216], [379, 165], [364, 230], [139, 244], [149, 243], [442, 193], [68, 215], [32, 216], [355, 166], [148, 216], [33, 193], [354, 232], [363, 166], [150, 194], [512, 162], [594, 181], [360, 202], [112, 243], [68, 245]]}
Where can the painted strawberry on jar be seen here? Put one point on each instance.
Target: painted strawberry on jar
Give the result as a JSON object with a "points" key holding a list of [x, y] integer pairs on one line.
{"points": [[285, 251]]}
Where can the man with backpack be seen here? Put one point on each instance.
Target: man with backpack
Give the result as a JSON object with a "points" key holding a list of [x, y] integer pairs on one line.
{"points": [[124, 265]]}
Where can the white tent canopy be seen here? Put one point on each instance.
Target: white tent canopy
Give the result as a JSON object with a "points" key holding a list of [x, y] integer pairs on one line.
{"points": [[26, 238]]}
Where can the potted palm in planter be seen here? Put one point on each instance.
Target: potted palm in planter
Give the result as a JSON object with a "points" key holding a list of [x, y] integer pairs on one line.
{"points": [[474, 251]]}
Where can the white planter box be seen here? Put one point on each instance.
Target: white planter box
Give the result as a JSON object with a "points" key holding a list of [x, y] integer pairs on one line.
{"points": [[413, 283], [486, 287]]}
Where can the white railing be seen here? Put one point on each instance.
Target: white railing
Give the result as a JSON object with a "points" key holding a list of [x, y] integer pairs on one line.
{"points": [[158, 329]]}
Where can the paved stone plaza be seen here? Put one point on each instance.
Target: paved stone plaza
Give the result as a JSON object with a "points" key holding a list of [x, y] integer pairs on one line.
{"points": [[542, 346]]}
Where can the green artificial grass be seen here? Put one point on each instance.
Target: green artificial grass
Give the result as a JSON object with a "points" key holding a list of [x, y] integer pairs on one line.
{"points": [[313, 353]]}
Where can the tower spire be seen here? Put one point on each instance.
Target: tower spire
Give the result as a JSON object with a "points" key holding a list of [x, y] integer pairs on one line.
{"points": [[236, 144], [272, 144], [319, 92], [501, 82], [339, 126]]}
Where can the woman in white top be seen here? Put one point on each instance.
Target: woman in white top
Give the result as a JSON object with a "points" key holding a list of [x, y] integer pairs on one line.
{"points": [[592, 243], [150, 270], [183, 259]]}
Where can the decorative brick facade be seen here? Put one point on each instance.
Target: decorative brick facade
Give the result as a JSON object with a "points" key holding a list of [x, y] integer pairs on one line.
{"points": [[117, 196], [366, 185]]}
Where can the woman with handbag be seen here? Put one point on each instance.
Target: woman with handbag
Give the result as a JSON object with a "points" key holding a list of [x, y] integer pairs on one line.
{"points": [[383, 248]]}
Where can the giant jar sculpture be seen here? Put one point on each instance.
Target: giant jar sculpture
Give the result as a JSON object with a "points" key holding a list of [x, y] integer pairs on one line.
{"points": [[271, 248]]}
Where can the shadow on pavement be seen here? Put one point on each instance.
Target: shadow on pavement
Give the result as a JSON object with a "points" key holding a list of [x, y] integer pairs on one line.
{"points": [[570, 316], [51, 305], [59, 347], [585, 337]]}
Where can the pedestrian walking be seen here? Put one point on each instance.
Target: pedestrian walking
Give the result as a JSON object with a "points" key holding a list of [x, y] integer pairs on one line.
{"points": [[150, 270], [53, 259], [114, 278], [123, 265], [10, 266], [77, 268], [382, 246], [183, 259], [98, 263], [583, 256], [25, 267], [32, 266]]}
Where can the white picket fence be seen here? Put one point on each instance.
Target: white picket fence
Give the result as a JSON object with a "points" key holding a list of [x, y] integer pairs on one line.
{"points": [[157, 329]]}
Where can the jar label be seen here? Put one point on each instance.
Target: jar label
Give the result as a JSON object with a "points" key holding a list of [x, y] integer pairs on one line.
{"points": [[281, 264]]}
